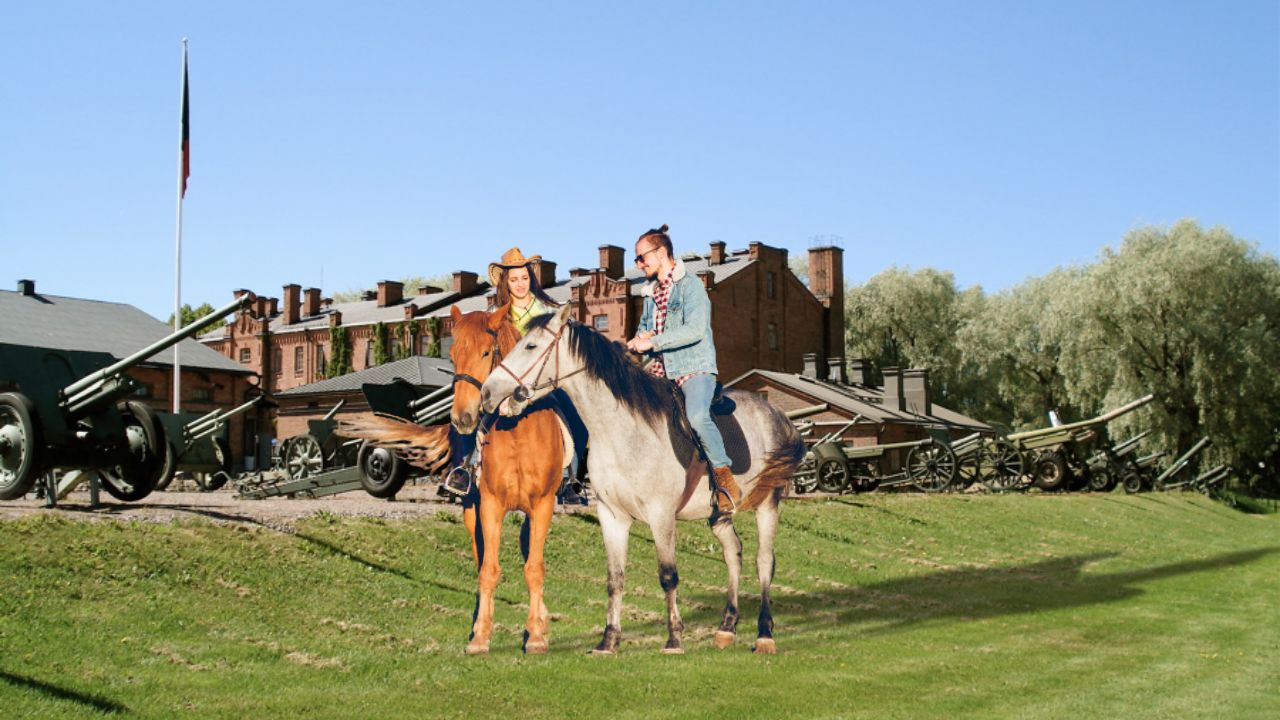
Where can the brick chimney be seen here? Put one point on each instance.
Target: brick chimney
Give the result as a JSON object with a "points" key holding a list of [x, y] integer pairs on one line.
{"points": [[826, 282], [717, 253], [915, 391], [464, 282], [310, 302], [893, 399], [708, 279], [546, 272], [429, 290], [612, 259], [273, 306], [409, 310], [859, 372], [27, 287], [835, 370], [292, 303], [390, 292], [335, 318], [810, 365]]}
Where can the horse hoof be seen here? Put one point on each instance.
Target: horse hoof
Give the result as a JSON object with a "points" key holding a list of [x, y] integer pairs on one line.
{"points": [[602, 651], [477, 650], [765, 646], [677, 650], [535, 648], [724, 639]]}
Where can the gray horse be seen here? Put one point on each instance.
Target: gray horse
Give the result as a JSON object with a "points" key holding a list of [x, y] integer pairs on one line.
{"points": [[645, 466]]}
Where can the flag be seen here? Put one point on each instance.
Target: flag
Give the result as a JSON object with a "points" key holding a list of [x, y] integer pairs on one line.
{"points": [[186, 125]]}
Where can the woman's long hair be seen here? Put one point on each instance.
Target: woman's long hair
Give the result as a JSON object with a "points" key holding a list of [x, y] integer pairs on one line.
{"points": [[535, 288]]}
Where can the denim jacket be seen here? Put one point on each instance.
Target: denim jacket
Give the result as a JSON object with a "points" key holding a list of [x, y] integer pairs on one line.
{"points": [[686, 344]]}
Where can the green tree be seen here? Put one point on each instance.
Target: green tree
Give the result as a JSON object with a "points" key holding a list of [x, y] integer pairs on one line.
{"points": [[339, 353], [380, 354], [190, 315], [1192, 316], [411, 286]]}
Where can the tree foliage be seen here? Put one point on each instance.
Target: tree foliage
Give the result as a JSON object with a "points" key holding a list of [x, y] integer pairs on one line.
{"points": [[411, 287], [190, 315]]}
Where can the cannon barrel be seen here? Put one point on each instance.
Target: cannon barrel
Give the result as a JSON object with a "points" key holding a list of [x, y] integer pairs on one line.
{"points": [[1182, 461], [1068, 427], [805, 412], [163, 344], [329, 415], [432, 396], [217, 417], [1121, 448]]}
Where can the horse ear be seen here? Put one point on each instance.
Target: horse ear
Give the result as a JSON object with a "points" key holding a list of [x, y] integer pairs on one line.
{"points": [[565, 314], [455, 313], [495, 318]]}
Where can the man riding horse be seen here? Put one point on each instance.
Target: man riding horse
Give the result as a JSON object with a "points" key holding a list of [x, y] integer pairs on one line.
{"points": [[675, 331]]}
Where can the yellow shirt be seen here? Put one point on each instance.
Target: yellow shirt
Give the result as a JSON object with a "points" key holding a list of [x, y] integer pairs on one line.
{"points": [[520, 318]]}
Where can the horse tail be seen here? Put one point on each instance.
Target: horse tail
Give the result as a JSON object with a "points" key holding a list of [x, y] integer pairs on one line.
{"points": [[779, 467], [423, 447]]}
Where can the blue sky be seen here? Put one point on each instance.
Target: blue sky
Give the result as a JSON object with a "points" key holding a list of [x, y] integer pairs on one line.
{"points": [[344, 143]]}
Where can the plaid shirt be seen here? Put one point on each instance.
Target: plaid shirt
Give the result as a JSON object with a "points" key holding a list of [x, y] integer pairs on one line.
{"points": [[660, 296]]}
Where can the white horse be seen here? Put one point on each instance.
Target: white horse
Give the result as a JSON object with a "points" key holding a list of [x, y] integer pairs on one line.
{"points": [[645, 466]]}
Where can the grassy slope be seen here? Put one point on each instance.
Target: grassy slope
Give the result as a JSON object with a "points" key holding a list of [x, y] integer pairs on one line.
{"points": [[887, 606]]}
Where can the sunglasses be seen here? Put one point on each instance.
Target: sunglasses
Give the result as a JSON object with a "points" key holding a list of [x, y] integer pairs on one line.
{"points": [[640, 257]]}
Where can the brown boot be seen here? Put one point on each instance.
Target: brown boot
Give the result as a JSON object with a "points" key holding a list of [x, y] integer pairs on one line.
{"points": [[725, 489]]}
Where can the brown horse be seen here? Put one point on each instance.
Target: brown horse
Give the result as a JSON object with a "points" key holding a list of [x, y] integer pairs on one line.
{"points": [[521, 463]]}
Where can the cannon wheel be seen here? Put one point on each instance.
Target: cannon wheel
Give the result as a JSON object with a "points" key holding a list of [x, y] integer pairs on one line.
{"points": [[968, 470], [210, 482], [931, 467], [303, 457], [1051, 471], [806, 476], [137, 477], [20, 446], [1101, 480], [864, 476], [382, 472], [170, 467], [1133, 483], [1006, 467], [833, 475]]}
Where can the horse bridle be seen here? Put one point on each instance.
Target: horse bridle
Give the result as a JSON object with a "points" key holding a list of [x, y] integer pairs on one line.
{"points": [[523, 392], [495, 353]]}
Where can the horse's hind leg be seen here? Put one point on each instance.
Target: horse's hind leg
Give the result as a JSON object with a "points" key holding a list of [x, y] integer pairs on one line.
{"points": [[614, 529], [767, 525], [731, 544], [664, 540], [538, 523], [491, 514]]}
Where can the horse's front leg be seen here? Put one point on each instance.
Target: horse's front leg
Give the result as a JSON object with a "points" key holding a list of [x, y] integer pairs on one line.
{"points": [[731, 545], [614, 528], [664, 540], [491, 514], [537, 624]]}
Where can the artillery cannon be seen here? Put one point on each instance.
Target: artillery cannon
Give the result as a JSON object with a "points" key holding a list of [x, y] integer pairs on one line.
{"points": [[829, 466], [1054, 452], [54, 421], [382, 472], [1167, 479], [1107, 467], [197, 444], [319, 449]]}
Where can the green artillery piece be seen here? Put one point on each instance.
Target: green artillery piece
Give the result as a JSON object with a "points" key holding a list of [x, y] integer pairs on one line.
{"points": [[1105, 469], [319, 449], [1139, 478], [993, 462], [54, 421], [1206, 481], [382, 472], [1167, 480], [198, 445], [1054, 452]]}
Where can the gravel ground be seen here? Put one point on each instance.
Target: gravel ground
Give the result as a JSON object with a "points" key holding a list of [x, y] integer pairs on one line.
{"points": [[183, 501]]}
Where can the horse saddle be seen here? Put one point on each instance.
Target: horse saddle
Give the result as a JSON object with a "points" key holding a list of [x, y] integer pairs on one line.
{"points": [[721, 406]]}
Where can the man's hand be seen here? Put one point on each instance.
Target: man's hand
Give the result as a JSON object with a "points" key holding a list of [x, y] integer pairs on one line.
{"points": [[641, 342]]}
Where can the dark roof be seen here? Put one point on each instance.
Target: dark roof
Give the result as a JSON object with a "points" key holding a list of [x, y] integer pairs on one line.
{"points": [[418, 370], [63, 323], [865, 400]]}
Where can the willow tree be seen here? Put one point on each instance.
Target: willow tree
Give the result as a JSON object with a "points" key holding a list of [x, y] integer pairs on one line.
{"points": [[1191, 315]]}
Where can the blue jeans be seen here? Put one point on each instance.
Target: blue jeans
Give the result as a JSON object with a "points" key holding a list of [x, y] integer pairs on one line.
{"points": [[698, 392]]}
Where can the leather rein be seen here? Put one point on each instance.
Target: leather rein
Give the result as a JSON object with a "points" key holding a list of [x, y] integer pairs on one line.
{"points": [[522, 392]]}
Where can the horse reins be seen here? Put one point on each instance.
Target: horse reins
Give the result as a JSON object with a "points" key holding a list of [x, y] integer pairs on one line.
{"points": [[522, 392]]}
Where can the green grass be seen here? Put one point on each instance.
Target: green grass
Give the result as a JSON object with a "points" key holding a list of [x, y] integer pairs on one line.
{"points": [[887, 606]]}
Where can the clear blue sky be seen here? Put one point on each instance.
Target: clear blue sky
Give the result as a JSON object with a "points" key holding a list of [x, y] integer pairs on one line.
{"points": [[363, 141]]}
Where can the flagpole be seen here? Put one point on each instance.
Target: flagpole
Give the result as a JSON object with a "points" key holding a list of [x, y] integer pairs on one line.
{"points": [[182, 188]]}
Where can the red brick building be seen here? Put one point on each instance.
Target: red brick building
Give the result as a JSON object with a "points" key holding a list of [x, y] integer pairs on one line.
{"points": [[763, 316]]}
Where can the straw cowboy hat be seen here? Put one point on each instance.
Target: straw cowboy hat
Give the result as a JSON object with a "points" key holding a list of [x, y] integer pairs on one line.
{"points": [[511, 259]]}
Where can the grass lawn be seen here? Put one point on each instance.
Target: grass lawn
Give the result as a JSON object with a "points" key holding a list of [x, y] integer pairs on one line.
{"points": [[887, 606]]}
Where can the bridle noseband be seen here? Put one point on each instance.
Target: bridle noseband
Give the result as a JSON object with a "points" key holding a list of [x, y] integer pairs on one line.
{"points": [[495, 353], [522, 392]]}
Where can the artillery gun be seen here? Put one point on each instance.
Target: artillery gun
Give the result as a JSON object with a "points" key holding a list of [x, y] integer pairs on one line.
{"points": [[53, 421], [1107, 467], [197, 445], [1055, 454], [831, 466], [382, 472]]}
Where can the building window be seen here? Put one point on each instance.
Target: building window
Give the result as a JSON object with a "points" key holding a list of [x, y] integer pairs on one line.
{"points": [[773, 336], [600, 323], [322, 360], [277, 361], [202, 395], [393, 348], [769, 290], [299, 359], [368, 354], [244, 356]]}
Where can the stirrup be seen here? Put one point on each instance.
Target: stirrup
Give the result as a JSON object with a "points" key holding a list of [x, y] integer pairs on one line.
{"points": [[457, 482], [733, 503]]}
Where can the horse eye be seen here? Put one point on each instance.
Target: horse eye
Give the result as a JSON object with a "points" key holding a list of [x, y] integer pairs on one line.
{"points": [[530, 346], [485, 354]]}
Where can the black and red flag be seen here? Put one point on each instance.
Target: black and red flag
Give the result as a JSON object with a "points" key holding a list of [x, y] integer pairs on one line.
{"points": [[186, 125]]}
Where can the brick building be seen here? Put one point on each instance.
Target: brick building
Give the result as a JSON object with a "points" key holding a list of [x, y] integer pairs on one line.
{"points": [[763, 316]]}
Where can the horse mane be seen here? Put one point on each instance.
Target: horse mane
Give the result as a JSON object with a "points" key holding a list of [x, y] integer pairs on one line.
{"points": [[475, 335], [637, 390]]}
